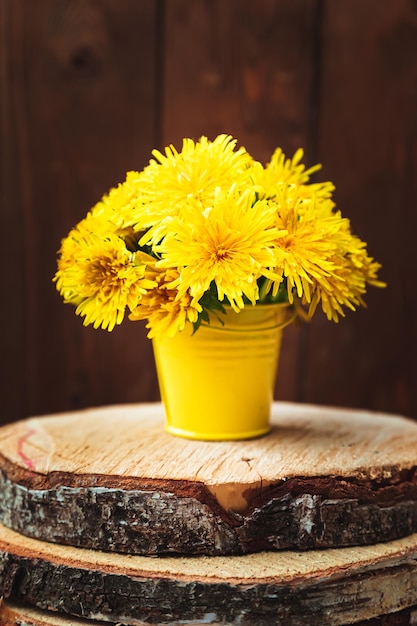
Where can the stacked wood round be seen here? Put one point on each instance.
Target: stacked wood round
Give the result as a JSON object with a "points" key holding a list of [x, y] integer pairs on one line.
{"points": [[106, 517]]}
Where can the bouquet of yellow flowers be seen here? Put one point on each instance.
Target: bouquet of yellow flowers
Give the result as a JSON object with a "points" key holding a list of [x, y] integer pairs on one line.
{"points": [[209, 227]]}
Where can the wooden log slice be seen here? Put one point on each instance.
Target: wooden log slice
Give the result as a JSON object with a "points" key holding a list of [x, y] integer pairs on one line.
{"points": [[318, 588], [14, 615], [112, 479]]}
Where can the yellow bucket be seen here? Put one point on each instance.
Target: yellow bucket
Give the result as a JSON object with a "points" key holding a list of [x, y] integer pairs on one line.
{"points": [[218, 384]]}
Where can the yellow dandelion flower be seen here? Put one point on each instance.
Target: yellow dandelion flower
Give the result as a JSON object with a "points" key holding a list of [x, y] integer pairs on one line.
{"points": [[320, 260], [341, 290], [345, 287], [118, 206], [303, 255], [171, 179], [72, 248], [207, 226], [103, 280], [282, 172], [228, 243], [166, 312], [315, 235], [290, 170]]}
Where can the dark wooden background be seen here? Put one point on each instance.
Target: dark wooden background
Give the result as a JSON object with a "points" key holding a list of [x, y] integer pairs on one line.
{"points": [[89, 87]]}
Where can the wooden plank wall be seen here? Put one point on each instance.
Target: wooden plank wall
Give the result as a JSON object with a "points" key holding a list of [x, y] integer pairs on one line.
{"points": [[89, 87]]}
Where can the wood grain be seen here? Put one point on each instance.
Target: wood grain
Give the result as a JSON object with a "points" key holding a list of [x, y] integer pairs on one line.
{"points": [[112, 479], [366, 140], [330, 587], [78, 110], [250, 71]]}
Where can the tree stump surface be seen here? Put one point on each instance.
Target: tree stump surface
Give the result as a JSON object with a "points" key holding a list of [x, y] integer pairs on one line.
{"points": [[112, 479], [322, 587]]}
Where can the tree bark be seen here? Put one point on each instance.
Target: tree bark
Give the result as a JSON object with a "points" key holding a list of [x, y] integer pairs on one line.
{"points": [[318, 588], [13, 615], [111, 479]]}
